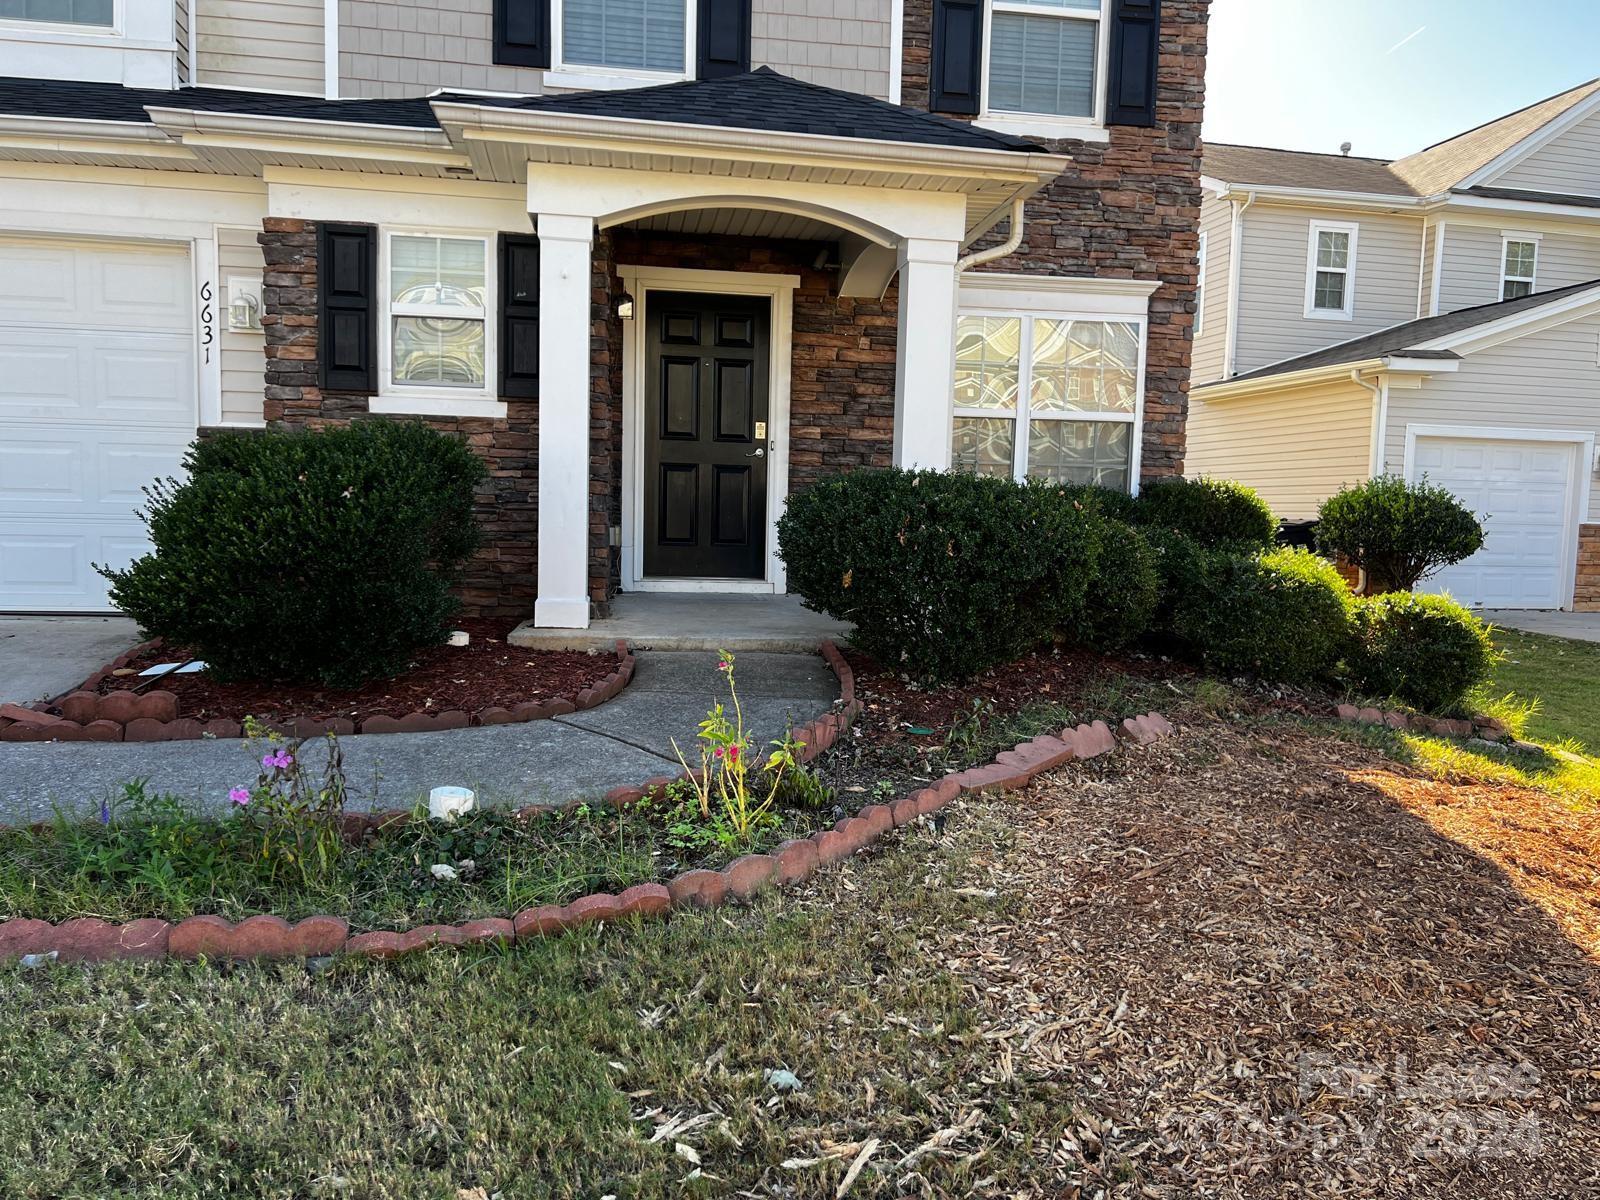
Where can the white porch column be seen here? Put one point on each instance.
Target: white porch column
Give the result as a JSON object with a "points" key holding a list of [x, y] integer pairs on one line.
{"points": [[925, 365], [565, 247]]}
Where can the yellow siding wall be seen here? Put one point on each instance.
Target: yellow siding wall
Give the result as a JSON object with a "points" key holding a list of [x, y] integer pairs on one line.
{"points": [[1296, 448]]}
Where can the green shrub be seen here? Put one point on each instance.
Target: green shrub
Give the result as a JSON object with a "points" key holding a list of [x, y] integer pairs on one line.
{"points": [[1109, 502], [1216, 513], [325, 556], [942, 574], [1285, 615], [1398, 532], [1180, 563], [1127, 587], [1426, 651]]}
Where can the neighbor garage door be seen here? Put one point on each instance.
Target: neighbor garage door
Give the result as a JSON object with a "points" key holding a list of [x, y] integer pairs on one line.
{"points": [[1523, 491], [97, 399]]}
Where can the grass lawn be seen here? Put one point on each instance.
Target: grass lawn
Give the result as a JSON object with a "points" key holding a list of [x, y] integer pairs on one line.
{"points": [[1563, 675]]}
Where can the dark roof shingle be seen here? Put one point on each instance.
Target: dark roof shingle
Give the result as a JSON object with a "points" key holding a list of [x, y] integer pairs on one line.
{"points": [[1301, 169], [73, 99]]}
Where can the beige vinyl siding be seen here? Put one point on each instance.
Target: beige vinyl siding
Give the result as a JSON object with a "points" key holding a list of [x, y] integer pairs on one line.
{"points": [[1272, 324], [1569, 163], [1545, 380], [243, 358], [271, 45], [1472, 263], [1424, 305], [1210, 343], [837, 43], [180, 35], [1296, 447]]}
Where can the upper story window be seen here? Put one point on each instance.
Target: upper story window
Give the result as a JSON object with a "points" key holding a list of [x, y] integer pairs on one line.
{"points": [[1519, 263], [1200, 286], [100, 13], [438, 312], [1045, 63], [625, 35], [1331, 271]]}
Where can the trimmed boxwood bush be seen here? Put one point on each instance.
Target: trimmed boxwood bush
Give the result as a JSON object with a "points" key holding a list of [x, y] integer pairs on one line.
{"points": [[1398, 532], [942, 574], [1127, 587], [1216, 513], [1285, 615], [324, 556], [1427, 651]]}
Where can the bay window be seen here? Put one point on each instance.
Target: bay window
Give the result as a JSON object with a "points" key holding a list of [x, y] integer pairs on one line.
{"points": [[1048, 396]]}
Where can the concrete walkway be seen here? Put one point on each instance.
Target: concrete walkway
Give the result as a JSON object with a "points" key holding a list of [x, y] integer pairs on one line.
{"points": [[1582, 627], [579, 756], [694, 621], [41, 657]]}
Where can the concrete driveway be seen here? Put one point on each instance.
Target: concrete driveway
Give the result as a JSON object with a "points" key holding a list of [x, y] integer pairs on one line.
{"points": [[41, 657], [1582, 627]]}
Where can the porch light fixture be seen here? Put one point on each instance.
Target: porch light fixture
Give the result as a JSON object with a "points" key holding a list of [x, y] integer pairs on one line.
{"points": [[625, 306]]}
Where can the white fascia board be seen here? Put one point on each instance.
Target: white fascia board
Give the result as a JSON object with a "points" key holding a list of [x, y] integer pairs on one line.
{"points": [[1231, 389], [1546, 133], [1529, 320], [1521, 208], [484, 122], [329, 139], [1321, 198], [1399, 364]]}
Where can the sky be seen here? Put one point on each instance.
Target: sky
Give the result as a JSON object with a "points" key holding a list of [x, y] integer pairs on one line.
{"points": [[1388, 76]]}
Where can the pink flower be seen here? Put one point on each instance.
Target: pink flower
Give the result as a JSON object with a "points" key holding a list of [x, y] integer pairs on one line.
{"points": [[733, 753], [278, 758], [717, 752], [239, 795]]}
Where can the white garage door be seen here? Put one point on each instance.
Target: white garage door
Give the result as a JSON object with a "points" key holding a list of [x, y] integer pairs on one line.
{"points": [[1522, 491], [97, 399]]}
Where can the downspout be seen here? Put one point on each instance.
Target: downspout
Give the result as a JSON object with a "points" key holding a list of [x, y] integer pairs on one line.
{"points": [[1380, 418], [1009, 246], [1235, 250]]}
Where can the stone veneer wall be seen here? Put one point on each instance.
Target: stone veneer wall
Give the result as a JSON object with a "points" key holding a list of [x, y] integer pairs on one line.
{"points": [[1587, 597], [1129, 209]]}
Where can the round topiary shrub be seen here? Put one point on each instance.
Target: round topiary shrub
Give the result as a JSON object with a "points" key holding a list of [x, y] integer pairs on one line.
{"points": [[325, 556], [1398, 532], [1426, 651], [1284, 616], [942, 574], [1122, 599], [1216, 513]]}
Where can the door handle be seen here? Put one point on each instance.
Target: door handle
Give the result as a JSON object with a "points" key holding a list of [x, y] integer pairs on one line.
{"points": [[758, 452]]}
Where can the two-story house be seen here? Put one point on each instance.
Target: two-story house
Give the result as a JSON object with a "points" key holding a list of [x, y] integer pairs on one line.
{"points": [[1437, 315], [661, 261]]}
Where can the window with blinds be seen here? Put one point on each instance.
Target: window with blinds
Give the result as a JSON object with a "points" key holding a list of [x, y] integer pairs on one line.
{"points": [[641, 35], [1043, 56]]}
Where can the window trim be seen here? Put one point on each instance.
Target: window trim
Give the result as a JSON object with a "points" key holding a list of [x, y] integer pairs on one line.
{"points": [[404, 398], [595, 78], [1200, 285], [1057, 298], [1506, 238], [1048, 125], [1348, 312]]}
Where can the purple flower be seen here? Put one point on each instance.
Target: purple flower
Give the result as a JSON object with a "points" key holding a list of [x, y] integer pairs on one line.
{"points": [[278, 758], [105, 812], [239, 795]]}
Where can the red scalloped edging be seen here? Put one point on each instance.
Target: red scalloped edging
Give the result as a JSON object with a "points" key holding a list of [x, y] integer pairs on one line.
{"points": [[265, 936], [1489, 729], [121, 716]]}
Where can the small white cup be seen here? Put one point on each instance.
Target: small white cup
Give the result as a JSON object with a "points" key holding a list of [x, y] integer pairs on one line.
{"points": [[460, 638], [448, 803]]}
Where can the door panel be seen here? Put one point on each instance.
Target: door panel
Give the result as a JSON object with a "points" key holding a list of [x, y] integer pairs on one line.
{"points": [[705, 469]]}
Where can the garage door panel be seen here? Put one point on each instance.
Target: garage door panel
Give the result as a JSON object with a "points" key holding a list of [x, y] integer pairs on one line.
{"points": [[34, 471], [125, 471], [85, 375], [81, 471], [96, 284], [37, 282], [149, 382], [1522, 491], [38, 380], [50, 567]]}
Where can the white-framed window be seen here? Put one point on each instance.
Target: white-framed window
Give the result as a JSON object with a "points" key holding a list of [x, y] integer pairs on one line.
{"points": [[1200, 286], [1331, 270], [1519, 264], [1051, 393], [71, 14], [618, 43], [1044, 66], [436, 337]]}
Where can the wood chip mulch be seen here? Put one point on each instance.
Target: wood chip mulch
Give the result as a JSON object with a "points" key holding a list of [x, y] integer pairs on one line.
{"points": [[1272, 964], [484, 673]]}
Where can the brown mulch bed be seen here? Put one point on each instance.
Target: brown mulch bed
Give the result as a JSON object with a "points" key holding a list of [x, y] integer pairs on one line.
{"points": [[482, 674], [1268, 963]]}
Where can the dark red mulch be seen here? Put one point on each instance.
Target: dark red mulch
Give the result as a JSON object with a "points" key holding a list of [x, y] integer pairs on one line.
{"points": [[485, 673]]}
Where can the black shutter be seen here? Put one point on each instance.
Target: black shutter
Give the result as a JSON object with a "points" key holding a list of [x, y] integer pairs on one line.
{"points": [[955, 75], [519, 315], [347, 306], [723, 35], [522, 33], [1135, 48]]}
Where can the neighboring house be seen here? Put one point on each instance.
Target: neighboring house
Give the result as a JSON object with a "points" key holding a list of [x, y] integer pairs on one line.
{"points": [[654, 288], [1438, 315]]}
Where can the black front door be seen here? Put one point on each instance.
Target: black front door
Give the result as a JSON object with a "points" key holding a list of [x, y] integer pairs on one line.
{"points": [[705, 436]]}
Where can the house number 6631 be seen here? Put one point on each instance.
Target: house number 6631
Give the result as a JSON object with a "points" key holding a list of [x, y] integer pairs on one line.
{"points": [[207, 334]]}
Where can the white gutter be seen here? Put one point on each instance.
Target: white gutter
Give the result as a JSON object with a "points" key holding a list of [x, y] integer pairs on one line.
{"points": [[1380, 418], [1230, 330], [1009, 246]]}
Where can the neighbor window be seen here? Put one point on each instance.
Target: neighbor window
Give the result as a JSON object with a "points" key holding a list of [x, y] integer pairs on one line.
{"points": [[59, 12], [1044, 57], [1200, 287], [1053, 398], [1330, 273], [1519, 260], [626, 35], [438, 311]]}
